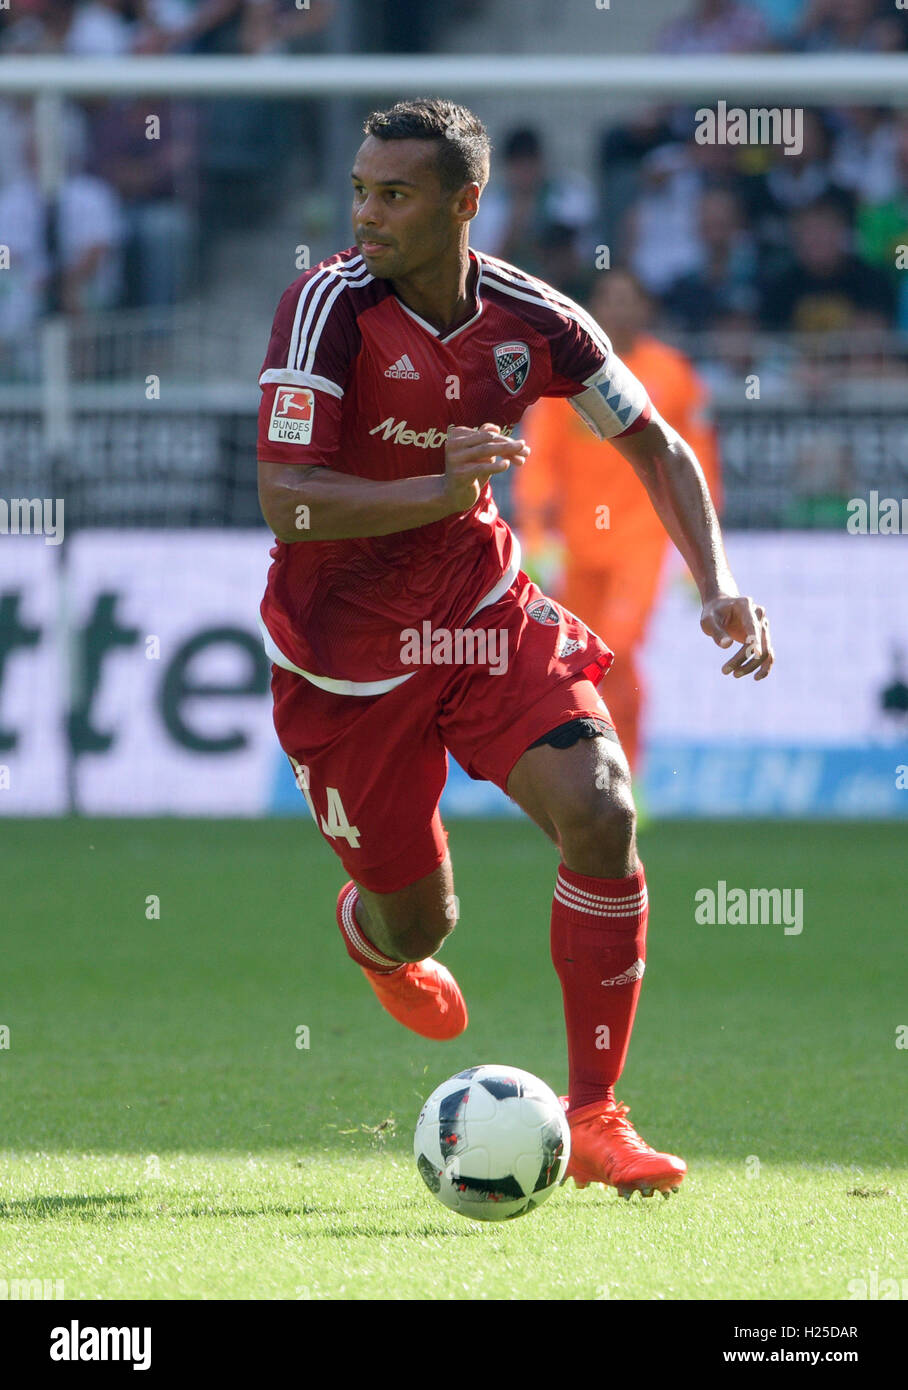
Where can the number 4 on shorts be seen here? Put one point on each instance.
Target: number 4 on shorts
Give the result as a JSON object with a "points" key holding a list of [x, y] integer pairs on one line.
{"points": [[337, 824]]}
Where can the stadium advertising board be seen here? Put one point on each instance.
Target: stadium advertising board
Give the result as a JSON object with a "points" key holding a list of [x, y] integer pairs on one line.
{"points": [[132, 678]]}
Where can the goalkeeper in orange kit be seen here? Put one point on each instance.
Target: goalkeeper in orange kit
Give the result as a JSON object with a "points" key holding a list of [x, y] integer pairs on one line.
{"points": [[597, 510]]}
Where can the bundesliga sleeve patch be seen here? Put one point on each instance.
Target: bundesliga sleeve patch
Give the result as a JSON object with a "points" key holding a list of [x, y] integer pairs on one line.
{"points": [[292, 415], [613, 401]]}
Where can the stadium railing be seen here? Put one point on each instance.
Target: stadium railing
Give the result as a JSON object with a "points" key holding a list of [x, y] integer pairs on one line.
{"points": [[147, 418]]}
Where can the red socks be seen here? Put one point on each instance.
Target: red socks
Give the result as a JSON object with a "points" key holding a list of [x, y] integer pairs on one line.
{"points": [[598, 948], [358, 945]]}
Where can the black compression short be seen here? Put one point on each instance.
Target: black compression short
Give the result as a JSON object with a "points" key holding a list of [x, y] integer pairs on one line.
{"points": [[566, 735]]}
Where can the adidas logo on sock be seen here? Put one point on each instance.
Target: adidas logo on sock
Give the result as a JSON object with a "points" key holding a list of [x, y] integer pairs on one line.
{"points": [[403, 369], [627, 977]]}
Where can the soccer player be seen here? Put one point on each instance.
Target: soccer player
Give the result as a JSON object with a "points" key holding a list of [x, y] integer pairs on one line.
{"points": [[401, 627]]}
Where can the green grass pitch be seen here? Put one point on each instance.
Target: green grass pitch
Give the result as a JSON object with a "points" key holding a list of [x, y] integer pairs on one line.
{"points": [[163, 1136]]}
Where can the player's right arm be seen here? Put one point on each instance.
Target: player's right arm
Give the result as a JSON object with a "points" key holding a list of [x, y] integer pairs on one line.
{"points": [[314, 342], [313, 502]]}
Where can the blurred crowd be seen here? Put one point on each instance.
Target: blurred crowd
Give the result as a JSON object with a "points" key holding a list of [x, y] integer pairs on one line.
{"points": [[141, 177], [797, 26], [111, 28], [724, 235], [718, 235]]}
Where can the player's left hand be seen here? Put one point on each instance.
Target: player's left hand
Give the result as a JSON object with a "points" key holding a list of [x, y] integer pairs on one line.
{"points": [[729, 619]]}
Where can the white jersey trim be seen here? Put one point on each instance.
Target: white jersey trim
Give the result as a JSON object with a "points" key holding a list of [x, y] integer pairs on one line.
{"points": [[337, 687], [448, 336], [365, 688], [504, 277], [286, 376], [325, 285], [614, 398], [505, 582]]}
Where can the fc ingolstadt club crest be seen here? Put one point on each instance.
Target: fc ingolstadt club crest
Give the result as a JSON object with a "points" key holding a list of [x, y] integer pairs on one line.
{"points": [[513, 363], [541, 611]]}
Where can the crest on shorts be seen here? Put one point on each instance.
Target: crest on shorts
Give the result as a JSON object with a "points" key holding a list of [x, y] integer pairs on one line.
{"points": [[541, 611], [513, 363]]}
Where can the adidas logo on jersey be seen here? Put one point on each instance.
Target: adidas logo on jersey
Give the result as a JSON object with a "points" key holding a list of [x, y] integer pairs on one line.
{"points": [[403, 369]]}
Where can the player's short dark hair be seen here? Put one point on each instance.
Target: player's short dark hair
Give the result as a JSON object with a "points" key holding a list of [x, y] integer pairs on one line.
{"points": [[463, 141]]}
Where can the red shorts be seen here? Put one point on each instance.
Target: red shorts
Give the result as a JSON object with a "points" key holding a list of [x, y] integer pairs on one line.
{"points": [[373, 769]]}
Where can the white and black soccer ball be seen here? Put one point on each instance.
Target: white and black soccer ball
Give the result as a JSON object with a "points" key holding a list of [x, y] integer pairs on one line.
{"points": [[492, 1142]]}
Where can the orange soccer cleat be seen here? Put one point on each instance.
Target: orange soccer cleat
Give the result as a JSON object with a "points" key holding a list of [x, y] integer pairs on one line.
{"points": [[422, 995], [606, 1148]]}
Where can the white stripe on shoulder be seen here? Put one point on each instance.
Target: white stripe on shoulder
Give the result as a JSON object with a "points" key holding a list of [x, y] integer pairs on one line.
{"points": [[501, 276], [329, 283], [288, 376], [316, 333], [567, 307], [311, 293], [523, 277]]}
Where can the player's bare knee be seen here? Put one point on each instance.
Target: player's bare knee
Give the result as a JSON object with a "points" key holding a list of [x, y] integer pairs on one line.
{"points": [[414, 931], [412, 924], [598, 835], [616, 822], [417, 940]]}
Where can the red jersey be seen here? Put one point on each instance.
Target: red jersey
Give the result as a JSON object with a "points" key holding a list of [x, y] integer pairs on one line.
{"points": [[355, 380]]}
